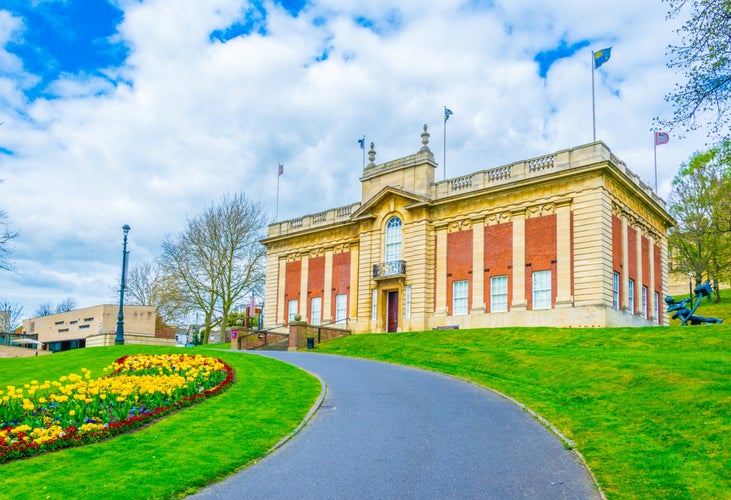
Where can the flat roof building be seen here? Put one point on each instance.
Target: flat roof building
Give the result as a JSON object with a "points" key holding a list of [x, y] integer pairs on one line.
{"points": [[572, 238], [70, 330]]}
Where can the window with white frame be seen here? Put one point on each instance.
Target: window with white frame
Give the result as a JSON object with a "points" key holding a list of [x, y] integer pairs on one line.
{"points": [[316, 310], [631, 295], [407, 300], [616, 302], [498, 294], [374, 304], [341, 307], [291, 310], [657, 307], [644, 301], [542, 289], [393, 239], [460, 291]]}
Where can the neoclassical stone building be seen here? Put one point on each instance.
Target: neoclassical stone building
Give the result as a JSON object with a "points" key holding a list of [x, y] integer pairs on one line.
{"points": [[573, 238]]}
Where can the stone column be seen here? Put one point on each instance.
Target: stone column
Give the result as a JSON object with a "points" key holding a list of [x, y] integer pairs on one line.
{"points": [[354, 296], [519, 302], [281, 306], [441, 272], [327, 291], [563, 257], [638, 281], [303, 305], [651, 284], [625, 266]]}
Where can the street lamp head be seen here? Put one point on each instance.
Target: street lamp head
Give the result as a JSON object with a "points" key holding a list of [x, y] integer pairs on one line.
{"points": [[126, 228]]}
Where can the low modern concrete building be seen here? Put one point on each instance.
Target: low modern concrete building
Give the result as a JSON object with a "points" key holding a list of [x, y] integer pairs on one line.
{"points": [[95, 325], [573, 238]]}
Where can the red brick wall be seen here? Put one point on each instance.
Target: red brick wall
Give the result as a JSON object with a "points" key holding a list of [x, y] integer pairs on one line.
{"points": [[341, 279], [315, 283], [540, 253], [498, 258], [632, 261], [459, 263], [292, 281]]}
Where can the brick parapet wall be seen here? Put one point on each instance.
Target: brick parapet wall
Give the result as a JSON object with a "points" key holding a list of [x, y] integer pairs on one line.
{"points": [[299, 332]]}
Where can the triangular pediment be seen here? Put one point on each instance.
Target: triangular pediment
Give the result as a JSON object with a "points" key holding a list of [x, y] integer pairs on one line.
{"points": [[368, 208]]}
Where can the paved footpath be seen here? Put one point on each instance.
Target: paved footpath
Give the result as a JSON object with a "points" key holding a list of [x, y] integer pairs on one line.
{"points": [[388, 431]]}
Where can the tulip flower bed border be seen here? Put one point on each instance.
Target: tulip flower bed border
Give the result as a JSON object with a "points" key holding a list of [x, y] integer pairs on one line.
{"points": [[71, 437]]}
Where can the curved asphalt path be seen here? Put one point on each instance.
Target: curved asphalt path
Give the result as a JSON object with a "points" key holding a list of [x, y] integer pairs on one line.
{"points": [[388, 431]]}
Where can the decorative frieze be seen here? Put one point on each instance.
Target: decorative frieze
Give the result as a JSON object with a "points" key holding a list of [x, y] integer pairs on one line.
{"points": [[460, 225]]}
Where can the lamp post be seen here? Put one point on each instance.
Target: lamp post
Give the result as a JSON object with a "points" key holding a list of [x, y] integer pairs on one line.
{"points": [[119, 339], [690, 285]]}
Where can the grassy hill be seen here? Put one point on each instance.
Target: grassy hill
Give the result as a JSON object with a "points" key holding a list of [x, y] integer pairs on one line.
{"points": [[649, 408]]}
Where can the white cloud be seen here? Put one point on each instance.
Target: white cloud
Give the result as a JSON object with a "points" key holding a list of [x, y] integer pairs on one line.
{"points": [[191, 119]]}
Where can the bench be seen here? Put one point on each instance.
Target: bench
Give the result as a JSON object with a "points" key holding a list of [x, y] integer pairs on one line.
{"points": [[447, 327]]}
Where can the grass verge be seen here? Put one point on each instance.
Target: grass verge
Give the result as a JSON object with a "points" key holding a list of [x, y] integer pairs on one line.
{"points": [[177, 454], [649, 408]]}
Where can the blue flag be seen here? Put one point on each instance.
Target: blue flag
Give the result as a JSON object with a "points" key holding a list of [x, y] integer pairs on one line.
{"points": [[602, 56], [361, 141], [447, 113]]}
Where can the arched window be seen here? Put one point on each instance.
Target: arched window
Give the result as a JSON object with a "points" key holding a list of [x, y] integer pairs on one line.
{"points": [[393, 239]]}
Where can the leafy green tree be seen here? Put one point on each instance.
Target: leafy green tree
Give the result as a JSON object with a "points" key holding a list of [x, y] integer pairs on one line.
{"points": [[701, 206], [704, 57]]}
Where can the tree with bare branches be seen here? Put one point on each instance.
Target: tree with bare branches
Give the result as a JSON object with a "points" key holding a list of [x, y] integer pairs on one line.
{"points": [[217, 259]]}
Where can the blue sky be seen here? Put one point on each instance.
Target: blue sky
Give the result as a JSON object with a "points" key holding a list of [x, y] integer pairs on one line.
{"points": [[146, 112]]}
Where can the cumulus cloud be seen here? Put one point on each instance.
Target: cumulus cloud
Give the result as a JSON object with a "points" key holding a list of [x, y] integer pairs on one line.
{"points": [[211, 96]]}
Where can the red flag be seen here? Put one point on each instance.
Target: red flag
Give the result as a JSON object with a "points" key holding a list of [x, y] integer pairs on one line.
{"points": [[661, 138], [281, 169]]}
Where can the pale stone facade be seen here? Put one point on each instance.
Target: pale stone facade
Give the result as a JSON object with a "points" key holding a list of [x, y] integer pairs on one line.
{"points": [[573, 238], [73, 327]]}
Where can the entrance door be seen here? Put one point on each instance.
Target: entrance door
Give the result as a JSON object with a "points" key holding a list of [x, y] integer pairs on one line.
{"points": [[392, 312]]}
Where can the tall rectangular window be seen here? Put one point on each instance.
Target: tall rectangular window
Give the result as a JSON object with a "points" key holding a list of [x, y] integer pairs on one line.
{"points": [[374, 304], [616, 302], [631, 295], [291, 310], [341, 307], [316, 310], [407, 300], [498, 294], [644, 301], [460, 291], [542, 289]]}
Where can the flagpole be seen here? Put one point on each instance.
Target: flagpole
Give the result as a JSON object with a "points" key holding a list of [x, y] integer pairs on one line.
{"points": [[276, 213], [654, 148], [362, 147], [444, 144], [593, 106]]}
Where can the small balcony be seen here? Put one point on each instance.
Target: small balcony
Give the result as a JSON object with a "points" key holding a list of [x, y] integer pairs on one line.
{"points": [[392, 269]]}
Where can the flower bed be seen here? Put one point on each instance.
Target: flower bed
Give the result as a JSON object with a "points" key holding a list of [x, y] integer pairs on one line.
{"points": [[78, 409]]}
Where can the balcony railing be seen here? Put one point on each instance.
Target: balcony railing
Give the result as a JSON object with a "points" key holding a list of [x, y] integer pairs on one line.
{"points": [[389, 269]]}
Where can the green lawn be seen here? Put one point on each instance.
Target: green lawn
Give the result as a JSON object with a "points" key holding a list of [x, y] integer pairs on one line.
{"points": [[175, 455], [649, 408]]}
